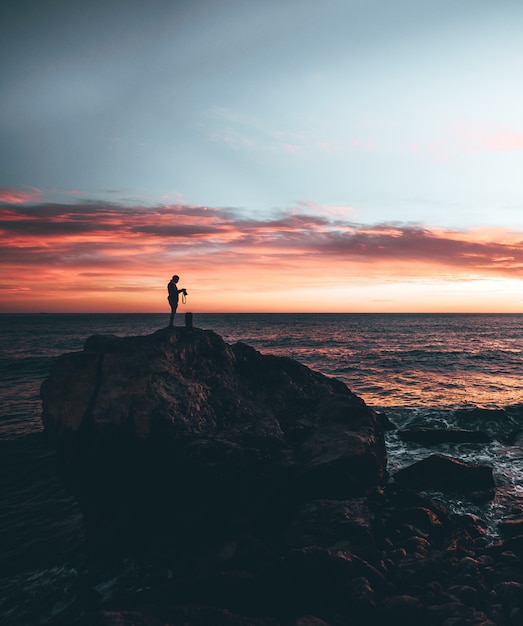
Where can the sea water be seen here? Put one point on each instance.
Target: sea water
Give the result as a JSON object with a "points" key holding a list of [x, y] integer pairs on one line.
{"points": [[417, 368]]}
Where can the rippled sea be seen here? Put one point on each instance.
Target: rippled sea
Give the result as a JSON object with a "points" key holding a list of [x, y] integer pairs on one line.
{"points": [[417, 368]]}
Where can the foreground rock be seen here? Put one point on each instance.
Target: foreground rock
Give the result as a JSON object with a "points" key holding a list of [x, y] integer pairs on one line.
{"points": [[179, 433], [441, 472], [252, 492], [391, 557]]}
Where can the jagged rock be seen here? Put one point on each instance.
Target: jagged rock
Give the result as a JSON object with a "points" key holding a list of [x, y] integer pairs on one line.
{"points": [[439, 471], [385, 422], [180, 428], [436, 436]]}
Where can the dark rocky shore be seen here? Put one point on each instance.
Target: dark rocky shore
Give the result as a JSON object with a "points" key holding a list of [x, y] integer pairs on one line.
{"points": [[250, 490]]}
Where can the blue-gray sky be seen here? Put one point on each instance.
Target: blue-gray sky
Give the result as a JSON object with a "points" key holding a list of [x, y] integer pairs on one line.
{"points": [[400, 109], [405, 112]]}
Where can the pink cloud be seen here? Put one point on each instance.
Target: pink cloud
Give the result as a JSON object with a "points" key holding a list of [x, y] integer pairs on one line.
{"points": [[470, 136], [292, 148], [501, 141], [107, 256], [485, 136], [103, 235], [14, 195], [363, 144], [328, 146]]}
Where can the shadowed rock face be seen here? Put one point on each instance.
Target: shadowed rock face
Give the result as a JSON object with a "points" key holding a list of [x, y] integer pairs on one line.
{"points": [[181, 430], [439, 471]]}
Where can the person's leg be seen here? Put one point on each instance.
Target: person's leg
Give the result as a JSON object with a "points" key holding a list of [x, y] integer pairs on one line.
{"points": [[173, 312]]}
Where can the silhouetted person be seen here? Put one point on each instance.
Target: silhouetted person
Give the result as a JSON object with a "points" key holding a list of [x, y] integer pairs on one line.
{"points": [[174, 297]]}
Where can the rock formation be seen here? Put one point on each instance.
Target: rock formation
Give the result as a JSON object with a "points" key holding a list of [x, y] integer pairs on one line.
{"points": [[181, 428], [252, 491], [441, 472]]}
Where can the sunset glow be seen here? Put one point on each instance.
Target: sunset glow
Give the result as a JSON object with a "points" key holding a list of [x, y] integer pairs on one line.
{"points": [[107, 257]]}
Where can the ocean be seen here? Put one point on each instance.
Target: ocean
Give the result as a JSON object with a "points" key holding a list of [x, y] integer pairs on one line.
{"points": [[418, 369]]}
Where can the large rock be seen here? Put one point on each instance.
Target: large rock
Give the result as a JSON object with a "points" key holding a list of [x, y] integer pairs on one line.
{"points": [[179, 432], [441, 472]]}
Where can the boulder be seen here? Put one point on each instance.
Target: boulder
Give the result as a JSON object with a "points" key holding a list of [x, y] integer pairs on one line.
{"points": [[179, 432], [436, 436], [445, 473]]}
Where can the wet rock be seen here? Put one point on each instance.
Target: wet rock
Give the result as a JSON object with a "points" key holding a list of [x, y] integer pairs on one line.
{"points": [[510, 594], [514, 546], [403, 609], [473, 525], [334, 524], [417, 545], [511, 527], [421, 518], [373, 573], [436, 436], [441, 472], [467, 595], [385, 422], [497, 423], [362, 595]]}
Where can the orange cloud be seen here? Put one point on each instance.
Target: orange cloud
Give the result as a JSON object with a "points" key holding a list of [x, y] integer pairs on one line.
{"points": [[12, 195], [114, 257]]}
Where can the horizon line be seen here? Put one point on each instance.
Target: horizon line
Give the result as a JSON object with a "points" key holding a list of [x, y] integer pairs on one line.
{"points": [[179, 314]]}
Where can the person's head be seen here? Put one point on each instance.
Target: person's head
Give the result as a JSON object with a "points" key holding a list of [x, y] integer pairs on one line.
{"points": [[176, 278]]}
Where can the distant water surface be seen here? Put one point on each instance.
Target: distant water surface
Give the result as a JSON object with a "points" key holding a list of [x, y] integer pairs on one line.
{"points": [[418, 368]]}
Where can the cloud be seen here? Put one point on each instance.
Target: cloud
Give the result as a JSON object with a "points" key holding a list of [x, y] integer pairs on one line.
{"points": [[101, 256], [292, 148], [97, 235], [468, 136], [481, 136], [13, 195]]}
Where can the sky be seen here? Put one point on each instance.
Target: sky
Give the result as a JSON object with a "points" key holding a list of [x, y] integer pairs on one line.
{"points": [[278, 155]]}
